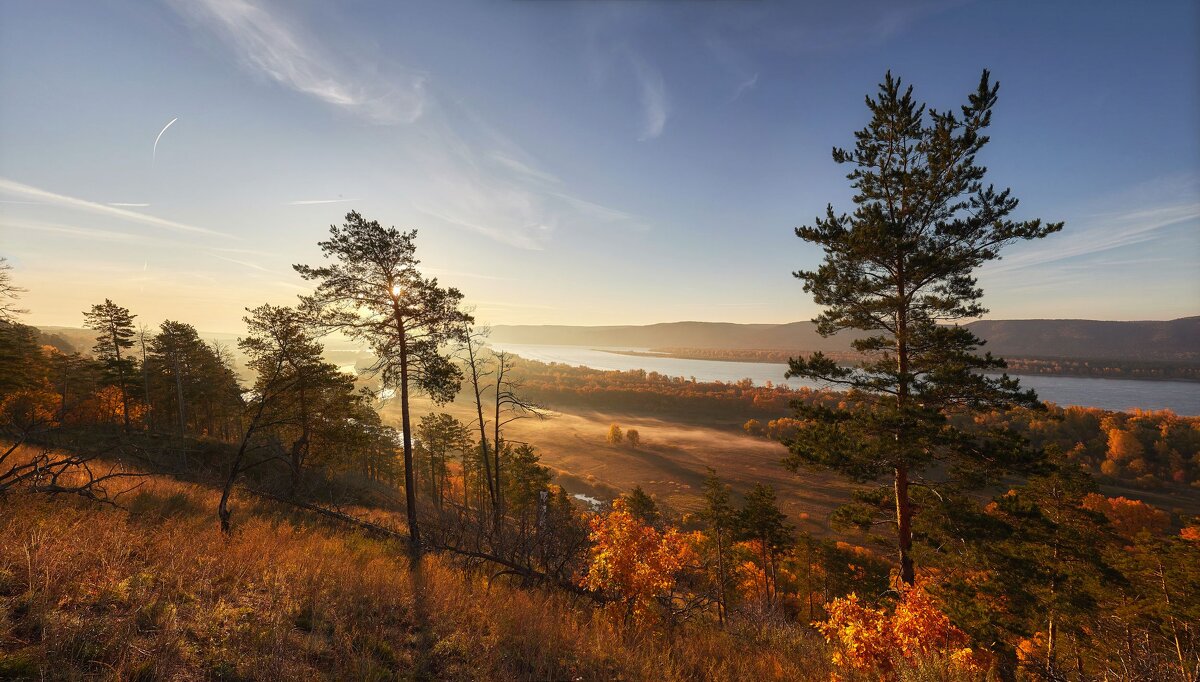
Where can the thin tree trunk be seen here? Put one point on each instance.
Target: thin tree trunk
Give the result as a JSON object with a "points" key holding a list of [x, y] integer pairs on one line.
{"points": [[1162, 576], [903, 504], [720, 579], [179, 397], [300, 447], [483, 444], [904, 526], [1052, 626], [498, 507], [121, 379], [410, 484], [145, 373], [223, 512]]}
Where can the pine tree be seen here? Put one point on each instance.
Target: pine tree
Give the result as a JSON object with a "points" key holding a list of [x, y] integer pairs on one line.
{"points": [[643, 507], [721, 519], [761, 521], [115, 327], [373, 291], [308, 392], [899, 270]]}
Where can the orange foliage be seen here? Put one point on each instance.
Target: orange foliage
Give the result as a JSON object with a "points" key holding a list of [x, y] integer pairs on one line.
{"points": [[1191, 534], [635, 561], [29, 410], [1128, 517], [872, 641], [110, 409], [1123, 445]]}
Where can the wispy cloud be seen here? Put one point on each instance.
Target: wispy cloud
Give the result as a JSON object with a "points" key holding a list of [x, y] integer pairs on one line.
{"points": [[245, 263], [1104, 232], [267, 45], [524, 169], [13, 188], [311, 202], [748, 84], [443, 272], [655, 107], [521, 239], [70, 230], [459, 170]]}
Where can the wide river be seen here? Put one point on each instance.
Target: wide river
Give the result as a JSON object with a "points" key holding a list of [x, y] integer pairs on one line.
{"points": [[1181, 397]]}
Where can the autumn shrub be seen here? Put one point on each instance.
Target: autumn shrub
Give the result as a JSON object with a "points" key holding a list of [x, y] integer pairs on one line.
{"points": [[914, 640], [634, 562]]}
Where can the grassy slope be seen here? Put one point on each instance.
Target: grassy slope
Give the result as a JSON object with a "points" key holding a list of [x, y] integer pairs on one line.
{"points": [[156, 592]]}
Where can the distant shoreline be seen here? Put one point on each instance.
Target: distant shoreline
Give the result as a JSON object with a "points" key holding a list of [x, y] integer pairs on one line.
{"points": [[1118, 371]]}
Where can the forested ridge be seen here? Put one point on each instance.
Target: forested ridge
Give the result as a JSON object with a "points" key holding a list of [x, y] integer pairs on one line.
{"points": [[172, 512]]}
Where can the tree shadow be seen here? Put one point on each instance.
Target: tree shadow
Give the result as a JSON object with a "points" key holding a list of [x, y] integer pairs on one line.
{"points": [[423, 640]]}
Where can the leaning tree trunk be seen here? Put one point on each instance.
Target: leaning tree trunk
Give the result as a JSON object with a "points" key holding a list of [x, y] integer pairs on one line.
{"points": [[121, 378]]}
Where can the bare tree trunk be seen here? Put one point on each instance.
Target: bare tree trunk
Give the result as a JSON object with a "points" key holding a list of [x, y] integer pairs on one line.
{"points": [[720, 579], [904, 526], [473, 361], [145, 372], [179, 396], [903, 504], [410, 485], [223, 512], [300, 447], [498, 507]]}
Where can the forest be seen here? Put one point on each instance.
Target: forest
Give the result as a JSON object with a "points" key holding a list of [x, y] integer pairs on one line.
{"points": [[171, 515]]}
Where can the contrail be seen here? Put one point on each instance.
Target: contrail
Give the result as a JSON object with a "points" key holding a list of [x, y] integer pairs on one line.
{"points": [[160, 134]]}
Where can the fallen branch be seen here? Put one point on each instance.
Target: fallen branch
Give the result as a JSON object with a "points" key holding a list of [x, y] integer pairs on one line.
{"points": [[383, 531]]}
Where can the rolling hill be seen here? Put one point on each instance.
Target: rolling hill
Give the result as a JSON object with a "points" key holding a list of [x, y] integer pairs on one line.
{"points": [[1076, 339]]}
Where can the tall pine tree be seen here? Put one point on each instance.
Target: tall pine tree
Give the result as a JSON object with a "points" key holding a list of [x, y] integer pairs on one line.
{"points": [[114, 325], [899, 271], [373, 291]]}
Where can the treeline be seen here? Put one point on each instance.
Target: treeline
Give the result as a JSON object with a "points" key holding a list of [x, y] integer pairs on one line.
{"points": [[1101, 369], [168, 391], [651, 393], [1149, 449]]}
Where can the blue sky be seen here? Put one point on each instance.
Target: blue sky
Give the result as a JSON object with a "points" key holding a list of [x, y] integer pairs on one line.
{"points": [[572, 162]]}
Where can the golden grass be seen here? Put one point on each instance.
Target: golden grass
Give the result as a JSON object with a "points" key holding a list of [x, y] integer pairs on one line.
{"points": [[155, 592]]}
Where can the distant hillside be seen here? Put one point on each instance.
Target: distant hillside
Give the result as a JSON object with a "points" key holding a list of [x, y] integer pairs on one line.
{"points": [[1085, 339], [78, 339], [794, 335], [1076, 339]]}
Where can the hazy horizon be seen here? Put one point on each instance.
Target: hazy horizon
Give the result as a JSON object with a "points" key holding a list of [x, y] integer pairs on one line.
{"points": [[571, 163]]}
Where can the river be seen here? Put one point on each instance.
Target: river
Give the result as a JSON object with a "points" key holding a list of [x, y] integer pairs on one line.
{"points": [[1181, 397]]}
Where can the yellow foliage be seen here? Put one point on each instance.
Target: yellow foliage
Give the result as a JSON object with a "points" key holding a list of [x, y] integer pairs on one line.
{"points": [[872, 641]]}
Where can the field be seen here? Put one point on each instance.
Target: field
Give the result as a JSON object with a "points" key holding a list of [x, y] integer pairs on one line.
{"points": [[670, 462], [673, 457]]}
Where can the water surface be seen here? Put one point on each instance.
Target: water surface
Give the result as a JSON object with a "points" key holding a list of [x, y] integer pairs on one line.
{"points": [[1182, 397]]}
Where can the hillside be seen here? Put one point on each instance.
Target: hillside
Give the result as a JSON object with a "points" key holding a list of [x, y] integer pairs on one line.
{"points": [[1077, 339], [154, 591]]}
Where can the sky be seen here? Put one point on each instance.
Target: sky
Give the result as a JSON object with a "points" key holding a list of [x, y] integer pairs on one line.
{"points": [[572, 162]]}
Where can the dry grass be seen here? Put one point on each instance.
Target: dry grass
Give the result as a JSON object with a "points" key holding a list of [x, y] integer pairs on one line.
{"points": [[156, 592]]}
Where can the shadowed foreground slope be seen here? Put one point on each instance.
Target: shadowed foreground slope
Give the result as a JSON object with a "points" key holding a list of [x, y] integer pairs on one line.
{"points": [[155, 592]]}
